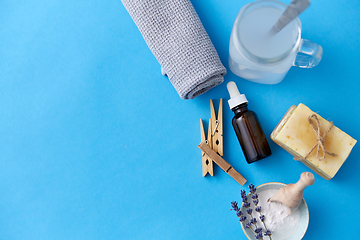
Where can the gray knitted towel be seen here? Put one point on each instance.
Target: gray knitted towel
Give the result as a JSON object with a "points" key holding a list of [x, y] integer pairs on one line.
{"points": [[178, 40]]}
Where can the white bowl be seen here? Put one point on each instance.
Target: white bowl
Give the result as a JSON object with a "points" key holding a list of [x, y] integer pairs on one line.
{"points": [[304, 214]]}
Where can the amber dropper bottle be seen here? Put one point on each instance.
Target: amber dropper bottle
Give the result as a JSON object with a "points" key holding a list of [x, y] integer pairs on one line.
{"points": [[247, 127]]}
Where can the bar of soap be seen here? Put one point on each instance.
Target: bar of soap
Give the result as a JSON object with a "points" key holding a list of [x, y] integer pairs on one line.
{"points": [[295, 134]]}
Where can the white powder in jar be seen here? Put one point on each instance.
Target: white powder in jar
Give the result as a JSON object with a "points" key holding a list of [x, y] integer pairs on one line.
{"points": [[277, 220]]}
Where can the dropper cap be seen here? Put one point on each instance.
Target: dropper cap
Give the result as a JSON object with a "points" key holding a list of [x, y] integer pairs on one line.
{"points": [[236, 98]]}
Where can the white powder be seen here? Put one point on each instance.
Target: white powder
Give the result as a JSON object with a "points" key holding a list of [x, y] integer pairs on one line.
{"points": [[254, 29], [277, 220]]}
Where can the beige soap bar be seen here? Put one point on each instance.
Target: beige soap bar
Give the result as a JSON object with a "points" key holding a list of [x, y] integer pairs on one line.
{"points": [[295, 134]]}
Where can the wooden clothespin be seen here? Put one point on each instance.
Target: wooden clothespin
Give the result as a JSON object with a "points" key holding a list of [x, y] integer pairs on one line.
{"points": [[214, 139], [217, 128], [207, 163], [222, 163]]}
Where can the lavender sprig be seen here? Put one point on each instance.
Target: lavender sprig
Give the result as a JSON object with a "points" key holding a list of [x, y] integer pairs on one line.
{"points": [[255, 196], [258, 231], [262, 218]]}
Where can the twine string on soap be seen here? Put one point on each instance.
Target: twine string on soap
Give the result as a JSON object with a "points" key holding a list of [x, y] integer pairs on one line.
{"points": [[315, 124]]}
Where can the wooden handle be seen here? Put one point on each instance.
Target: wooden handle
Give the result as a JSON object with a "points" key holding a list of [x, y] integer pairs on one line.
{"points": [[307, 178], [222, 163]]}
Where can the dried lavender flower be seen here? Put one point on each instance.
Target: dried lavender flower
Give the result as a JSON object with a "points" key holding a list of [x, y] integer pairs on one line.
{"points": [[239, 213], [255, 196], [256, 202], [262, 218], [247, 205], [252, 188], [258, 209], [234, 205], [267, 232], [253, 221], [242, 218], [258, 230], [259, 236], [243, 193], [249, 211], [248, 225]]}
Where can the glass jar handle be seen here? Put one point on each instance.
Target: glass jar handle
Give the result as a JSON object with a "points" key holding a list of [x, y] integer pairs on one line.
{"points": [[309, 54]]}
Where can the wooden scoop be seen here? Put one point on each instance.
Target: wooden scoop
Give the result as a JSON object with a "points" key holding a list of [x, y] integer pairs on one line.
{"points": [[292, 194]]}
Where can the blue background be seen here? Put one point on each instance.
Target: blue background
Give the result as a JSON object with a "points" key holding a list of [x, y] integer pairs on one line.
{"points": [[96, 144]]}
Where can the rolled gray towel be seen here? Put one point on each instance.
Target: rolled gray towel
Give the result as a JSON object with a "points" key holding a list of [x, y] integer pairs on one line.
{"points": [[178, 40]]}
